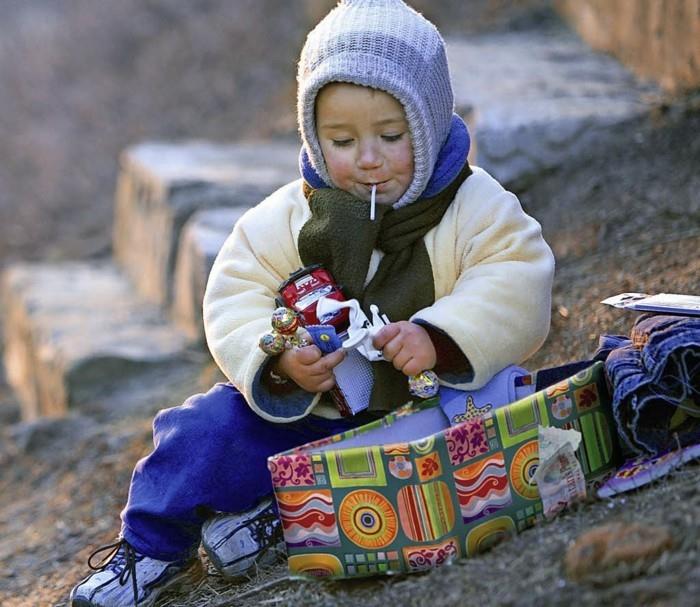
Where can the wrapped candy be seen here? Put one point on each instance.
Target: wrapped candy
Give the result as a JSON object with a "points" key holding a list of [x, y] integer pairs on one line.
{"points": [[299, 339], [424, 385], [286, 333], [272, 343], [285, 321]]}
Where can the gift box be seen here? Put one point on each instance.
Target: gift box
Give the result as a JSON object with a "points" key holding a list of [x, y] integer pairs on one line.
{"points": [[409, 492]]}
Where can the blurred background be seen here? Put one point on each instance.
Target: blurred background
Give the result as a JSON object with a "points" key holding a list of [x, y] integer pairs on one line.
{"points": [[82, 79]]}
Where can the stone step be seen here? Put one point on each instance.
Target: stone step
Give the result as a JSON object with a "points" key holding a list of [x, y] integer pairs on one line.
{"points": [[77, 330], [538, 101], [202, 237], [540, 98], [161, 185]]}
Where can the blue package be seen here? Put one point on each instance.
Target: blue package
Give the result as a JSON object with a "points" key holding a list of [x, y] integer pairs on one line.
{"points": [[325, 337]]}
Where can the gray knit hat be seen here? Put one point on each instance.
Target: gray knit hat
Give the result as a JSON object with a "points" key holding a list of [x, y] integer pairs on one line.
{"points": [[386, 45]]}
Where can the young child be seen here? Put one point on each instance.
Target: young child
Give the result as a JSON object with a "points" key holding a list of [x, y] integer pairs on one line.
{"points": [[450, 257]]}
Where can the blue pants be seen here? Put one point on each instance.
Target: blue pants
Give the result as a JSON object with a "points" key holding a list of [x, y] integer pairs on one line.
{"points": [[210, 455]]}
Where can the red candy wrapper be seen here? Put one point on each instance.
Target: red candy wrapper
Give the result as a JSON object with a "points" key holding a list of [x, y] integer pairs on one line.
{"points": [[301, 292]]}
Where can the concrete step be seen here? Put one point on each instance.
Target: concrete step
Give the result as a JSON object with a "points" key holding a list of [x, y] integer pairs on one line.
{"points": [[202, 238], [540, 98], [161, 185], [78, 330]]}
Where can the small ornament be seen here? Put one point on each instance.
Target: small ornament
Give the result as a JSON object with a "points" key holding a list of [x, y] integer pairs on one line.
{"points": [[303, 337], [285, 321], [291, 341], [299, 339], [286, 333], [272, 343], [424, 385]]}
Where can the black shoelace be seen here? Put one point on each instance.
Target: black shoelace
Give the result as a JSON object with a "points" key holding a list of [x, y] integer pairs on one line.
{"points": [[265, 528], [119, 561]]}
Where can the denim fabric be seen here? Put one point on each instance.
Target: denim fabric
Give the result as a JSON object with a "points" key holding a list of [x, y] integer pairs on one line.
{"points": [[210, 455], [655, 377]]}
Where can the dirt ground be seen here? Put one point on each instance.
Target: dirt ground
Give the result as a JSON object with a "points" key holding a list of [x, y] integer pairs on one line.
{"points": [[626, 217]]}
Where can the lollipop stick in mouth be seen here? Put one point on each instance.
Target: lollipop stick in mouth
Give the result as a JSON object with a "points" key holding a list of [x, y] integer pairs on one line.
{"points": [[373, 202]]}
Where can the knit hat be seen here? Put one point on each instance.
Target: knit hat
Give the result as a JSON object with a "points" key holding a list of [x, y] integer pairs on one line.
{"points": [[383, 44]]}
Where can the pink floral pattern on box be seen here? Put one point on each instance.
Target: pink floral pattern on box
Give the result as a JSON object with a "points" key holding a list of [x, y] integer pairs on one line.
{"points": [[426, 557], [292, 470], [466, 440]]}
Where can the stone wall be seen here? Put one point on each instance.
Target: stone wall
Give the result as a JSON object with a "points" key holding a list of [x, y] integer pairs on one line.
{"points": [[657, 39]]}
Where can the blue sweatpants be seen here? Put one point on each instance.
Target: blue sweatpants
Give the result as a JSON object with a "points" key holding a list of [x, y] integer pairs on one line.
{"points": [[210, 455]]}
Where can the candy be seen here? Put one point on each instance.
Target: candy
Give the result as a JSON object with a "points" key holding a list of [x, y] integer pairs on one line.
{"points": [[424, 385], [285, 321], [303, 337], [272, 343], [291, 342]]}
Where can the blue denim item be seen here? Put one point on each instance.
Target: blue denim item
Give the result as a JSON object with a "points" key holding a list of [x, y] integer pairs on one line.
{"points": [[210, 455], [655, 378]]}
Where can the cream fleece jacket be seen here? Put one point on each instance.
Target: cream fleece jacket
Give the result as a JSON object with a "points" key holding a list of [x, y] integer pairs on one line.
{"points": [[492, 269]]}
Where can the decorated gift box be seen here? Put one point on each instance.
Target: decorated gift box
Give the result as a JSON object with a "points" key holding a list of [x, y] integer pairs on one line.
{"points": [[408, 492]]}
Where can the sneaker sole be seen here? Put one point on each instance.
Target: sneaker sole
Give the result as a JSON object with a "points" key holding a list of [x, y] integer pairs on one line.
{"points": [[240, 576]]}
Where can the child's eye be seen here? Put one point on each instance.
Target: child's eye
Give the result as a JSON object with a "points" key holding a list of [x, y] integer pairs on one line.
{"points": [[341, 143], [392, 138]]}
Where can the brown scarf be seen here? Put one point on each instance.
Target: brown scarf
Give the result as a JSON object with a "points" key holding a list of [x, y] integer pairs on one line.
{"points": [[341, 237]]}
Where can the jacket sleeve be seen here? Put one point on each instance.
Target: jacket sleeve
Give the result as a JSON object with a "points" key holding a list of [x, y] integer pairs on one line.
{"points": [[493, 280], [240, 297]]}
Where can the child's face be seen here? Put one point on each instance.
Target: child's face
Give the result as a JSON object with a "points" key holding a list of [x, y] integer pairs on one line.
{"points": [[365, 141]]}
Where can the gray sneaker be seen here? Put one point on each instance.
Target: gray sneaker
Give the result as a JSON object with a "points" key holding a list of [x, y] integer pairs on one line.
{"points": [[239, 543], [126, 577]]}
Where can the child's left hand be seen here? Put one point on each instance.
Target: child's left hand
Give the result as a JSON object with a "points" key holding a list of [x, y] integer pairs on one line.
{"points": [[407, 346]]}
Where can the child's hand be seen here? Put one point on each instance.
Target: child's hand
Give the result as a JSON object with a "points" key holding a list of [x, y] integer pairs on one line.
{"points": [[307, 368], [407, 345]]}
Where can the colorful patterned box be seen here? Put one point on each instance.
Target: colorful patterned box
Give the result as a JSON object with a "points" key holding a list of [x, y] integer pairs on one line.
{"points": [[356, 504]]}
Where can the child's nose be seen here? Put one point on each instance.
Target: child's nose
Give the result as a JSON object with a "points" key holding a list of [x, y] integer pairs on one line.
{"points": [[369, 156]]}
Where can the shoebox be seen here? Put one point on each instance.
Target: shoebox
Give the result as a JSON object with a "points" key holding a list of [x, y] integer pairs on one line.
{"points": [[408, 492]]}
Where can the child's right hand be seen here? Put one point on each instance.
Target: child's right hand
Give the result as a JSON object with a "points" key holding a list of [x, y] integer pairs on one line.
{"points": [[308, 368]]}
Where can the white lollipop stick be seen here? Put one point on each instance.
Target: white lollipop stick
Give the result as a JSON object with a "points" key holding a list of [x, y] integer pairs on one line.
{"points": [[373, 201]]}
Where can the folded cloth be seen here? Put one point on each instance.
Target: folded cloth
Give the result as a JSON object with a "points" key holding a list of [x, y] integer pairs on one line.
{"points": [[655, 379]]}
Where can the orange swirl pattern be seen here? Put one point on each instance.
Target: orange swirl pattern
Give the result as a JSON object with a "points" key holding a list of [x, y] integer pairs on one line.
{"points": [[522, 469], [482, 488], [308, 518]]}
